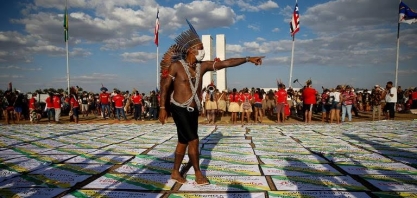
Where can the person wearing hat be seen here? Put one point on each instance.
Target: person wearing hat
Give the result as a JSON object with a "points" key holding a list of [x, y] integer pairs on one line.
{"points": [[104, 100], [182, 69]]}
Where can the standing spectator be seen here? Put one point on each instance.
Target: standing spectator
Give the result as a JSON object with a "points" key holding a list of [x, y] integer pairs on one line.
{"points": [[400, 99], [211, 104], [360, 101], [50, 107], [258, 97], [137, 104], [234, 105], [118, 105], [221, 103], [153, 109], [391, 99], [376, 96], [18, 105], [348, 99], [74, 104], [366, 100], [104, 99], [57, 106], [325, 105], [34, 116], [7, 105], [414, 99], [203, 102], [246, 106], [146, 106], [127, 103], [309, 99], [281, 98], [335, 96], [84, 104], [270, 103]]}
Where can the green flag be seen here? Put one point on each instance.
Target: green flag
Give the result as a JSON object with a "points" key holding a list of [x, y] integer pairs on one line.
{"points": [[66, 36]]}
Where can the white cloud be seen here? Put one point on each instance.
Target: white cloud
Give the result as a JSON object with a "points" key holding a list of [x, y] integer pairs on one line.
{"points": [[248, 6], [13, 67], [138, 57], [254, 27], [275, 30]]}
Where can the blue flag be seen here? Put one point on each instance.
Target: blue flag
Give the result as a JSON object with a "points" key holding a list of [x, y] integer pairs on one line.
{"points": [[407, 15]]}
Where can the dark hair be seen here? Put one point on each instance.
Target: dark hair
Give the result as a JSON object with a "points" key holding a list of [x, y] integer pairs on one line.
{"points": [[260, 94], [389, 82], [50, 97]]}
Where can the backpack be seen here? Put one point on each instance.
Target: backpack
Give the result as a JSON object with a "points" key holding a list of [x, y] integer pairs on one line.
{"points": [[246, 105]]}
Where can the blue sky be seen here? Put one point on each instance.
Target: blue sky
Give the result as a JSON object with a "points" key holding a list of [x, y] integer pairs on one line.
{"points": [[111, 42]]}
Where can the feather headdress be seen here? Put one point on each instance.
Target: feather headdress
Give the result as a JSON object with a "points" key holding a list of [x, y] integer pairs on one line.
{"points": [[187, 39]]}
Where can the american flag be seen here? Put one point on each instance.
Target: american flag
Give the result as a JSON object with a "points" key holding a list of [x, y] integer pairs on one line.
{"points": [[156, 39], [295, 21]]}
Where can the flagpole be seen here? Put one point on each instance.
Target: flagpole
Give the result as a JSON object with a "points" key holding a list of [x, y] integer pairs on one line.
{"points": [[292, 60], [157, 68], [292, 55], [398, 51], [66, 47]]}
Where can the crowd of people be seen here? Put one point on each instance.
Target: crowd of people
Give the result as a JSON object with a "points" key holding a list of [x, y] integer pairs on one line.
{"points": [[243, 106]]}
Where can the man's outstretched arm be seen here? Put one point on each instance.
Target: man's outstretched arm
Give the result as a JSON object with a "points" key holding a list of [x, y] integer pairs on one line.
{"points": [[231, 62]]}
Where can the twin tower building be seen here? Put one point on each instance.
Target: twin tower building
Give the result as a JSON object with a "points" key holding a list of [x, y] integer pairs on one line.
{"points": [[219, 51]]}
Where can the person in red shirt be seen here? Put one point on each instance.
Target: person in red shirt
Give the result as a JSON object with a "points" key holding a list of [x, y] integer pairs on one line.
{"points": [[309, 100], [246, 106], [234, 105], [118, 104], [50, 107], [34, 115], [75, 106], [137, 104], [57, 106], [104, 99], [281, 98], [258, 97]]}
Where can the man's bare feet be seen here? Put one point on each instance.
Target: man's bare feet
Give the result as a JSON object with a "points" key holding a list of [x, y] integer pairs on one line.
{"points": [[178, 178], [201, 181]]}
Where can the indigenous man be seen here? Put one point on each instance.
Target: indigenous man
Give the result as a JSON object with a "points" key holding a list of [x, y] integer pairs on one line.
{"points": [[182, 70]]}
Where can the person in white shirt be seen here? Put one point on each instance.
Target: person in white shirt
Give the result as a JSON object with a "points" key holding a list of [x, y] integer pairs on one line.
{"points": [[334, 99], [391, 99]]}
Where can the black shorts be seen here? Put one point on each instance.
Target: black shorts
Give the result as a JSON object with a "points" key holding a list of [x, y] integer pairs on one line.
{"points": [[187, 123], [308, 107]]}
